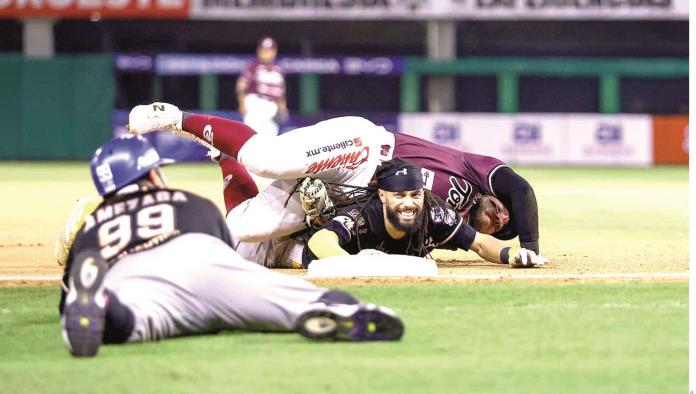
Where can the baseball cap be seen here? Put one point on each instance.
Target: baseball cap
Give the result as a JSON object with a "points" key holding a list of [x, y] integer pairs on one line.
{"points": [[267, 43], [399, 175]]}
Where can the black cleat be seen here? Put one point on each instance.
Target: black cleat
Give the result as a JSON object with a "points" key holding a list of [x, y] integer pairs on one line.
{"points": [[85, 305], [365, 322]]}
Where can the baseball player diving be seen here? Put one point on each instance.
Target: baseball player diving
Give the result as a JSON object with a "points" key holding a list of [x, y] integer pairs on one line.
{"points": [[344, 153], [152, 262]]}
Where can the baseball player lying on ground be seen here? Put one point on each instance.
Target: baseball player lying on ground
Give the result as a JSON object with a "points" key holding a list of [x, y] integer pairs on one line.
{"points": [[399, 216], [153, 262], [346, 151]]}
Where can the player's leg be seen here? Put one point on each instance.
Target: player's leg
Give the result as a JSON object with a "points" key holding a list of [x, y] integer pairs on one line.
{"points": [[337, 150], [251, 297], [272, 213], [196, 284], [259, 115], [237, 184], [92, 315]]}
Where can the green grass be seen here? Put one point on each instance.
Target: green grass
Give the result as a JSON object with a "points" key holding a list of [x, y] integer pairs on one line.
{"points": [[527, 338]]}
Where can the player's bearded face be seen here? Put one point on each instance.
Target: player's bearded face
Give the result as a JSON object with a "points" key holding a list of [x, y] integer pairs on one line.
{"points": [[489, 215], [404, 210]]}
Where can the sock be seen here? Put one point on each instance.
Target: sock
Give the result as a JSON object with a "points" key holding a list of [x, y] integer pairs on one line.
{"points": [[338, 297], [224, 134], [119, 321], [238, 184]]}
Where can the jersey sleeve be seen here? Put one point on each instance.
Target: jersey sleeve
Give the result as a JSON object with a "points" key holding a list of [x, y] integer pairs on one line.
{"points": [[517, 194], [247, 73], [448, 230], [344, 226]]}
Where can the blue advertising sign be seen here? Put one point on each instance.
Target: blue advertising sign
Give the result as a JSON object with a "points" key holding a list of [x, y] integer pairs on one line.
{"points": [[193, 64]]}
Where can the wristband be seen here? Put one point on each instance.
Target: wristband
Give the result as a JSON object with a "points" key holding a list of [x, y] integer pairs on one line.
{"points": [[505, 255]]}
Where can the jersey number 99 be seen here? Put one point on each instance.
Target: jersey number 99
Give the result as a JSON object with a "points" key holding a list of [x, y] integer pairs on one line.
{"points": [[117, 233]]}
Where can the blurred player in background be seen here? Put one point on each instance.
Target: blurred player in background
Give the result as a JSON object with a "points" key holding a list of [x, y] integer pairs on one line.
{"points": [[153, 262], [261, 90]]}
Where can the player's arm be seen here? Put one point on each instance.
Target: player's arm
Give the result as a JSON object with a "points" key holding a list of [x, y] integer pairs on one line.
{"points": [[242, 88], [463, 236], [325, 243], [509, 185], [494, 250], [330, 240]]}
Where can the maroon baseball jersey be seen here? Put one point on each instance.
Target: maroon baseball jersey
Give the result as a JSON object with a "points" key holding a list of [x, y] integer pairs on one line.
{"points": [[266, 80], [457, 177]]}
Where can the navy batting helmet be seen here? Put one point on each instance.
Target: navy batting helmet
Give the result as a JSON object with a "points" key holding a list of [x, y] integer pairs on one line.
{"points": [[121, 161]]}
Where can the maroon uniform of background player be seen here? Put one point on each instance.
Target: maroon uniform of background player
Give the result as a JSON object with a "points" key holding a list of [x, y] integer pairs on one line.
{"points": [[265, 80], [483, 189]]}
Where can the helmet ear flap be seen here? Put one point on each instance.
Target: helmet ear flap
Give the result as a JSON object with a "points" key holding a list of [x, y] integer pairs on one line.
{"points": [[315, 200]]}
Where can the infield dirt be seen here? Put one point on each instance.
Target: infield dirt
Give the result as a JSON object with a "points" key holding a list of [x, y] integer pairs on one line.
{"points": [[592, 220]]}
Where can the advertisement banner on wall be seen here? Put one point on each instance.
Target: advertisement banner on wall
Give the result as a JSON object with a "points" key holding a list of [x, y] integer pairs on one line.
{"points": [[671, 139], [95, 9], [349, 9], [188, 64], [622, 140], [523, 139], [546, 139], [439, 9]]}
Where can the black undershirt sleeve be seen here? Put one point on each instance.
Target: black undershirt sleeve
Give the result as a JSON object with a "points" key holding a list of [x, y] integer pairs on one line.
{"points": [[517, 194]]}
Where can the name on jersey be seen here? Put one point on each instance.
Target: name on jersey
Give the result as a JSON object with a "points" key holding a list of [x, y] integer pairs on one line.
{"points": [[108, 212], [350, 160], [341, 145], [458, 194]]}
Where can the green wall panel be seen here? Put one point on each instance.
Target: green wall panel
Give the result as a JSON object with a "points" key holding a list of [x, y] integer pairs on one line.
{"points": [[59, 108], [10, 107]]}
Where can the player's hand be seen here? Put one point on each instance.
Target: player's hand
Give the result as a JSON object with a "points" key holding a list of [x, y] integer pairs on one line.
{"points": [[156, 116], [524, 258]]}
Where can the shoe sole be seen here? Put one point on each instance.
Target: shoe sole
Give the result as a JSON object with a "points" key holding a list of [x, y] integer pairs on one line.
{"points": [[366, 324], [83, 318]]}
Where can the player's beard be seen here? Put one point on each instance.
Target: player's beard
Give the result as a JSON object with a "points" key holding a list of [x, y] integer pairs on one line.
{"points": [[407, 227]]}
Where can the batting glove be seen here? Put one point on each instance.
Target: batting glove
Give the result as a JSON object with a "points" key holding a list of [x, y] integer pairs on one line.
{"points": [[524, 258]]}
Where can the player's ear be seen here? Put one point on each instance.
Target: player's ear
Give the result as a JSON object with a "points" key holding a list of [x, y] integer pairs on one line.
{"points": [[381, 195]]}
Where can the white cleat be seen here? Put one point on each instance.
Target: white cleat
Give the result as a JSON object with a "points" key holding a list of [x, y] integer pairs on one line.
{"points": [[147, 118]]}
